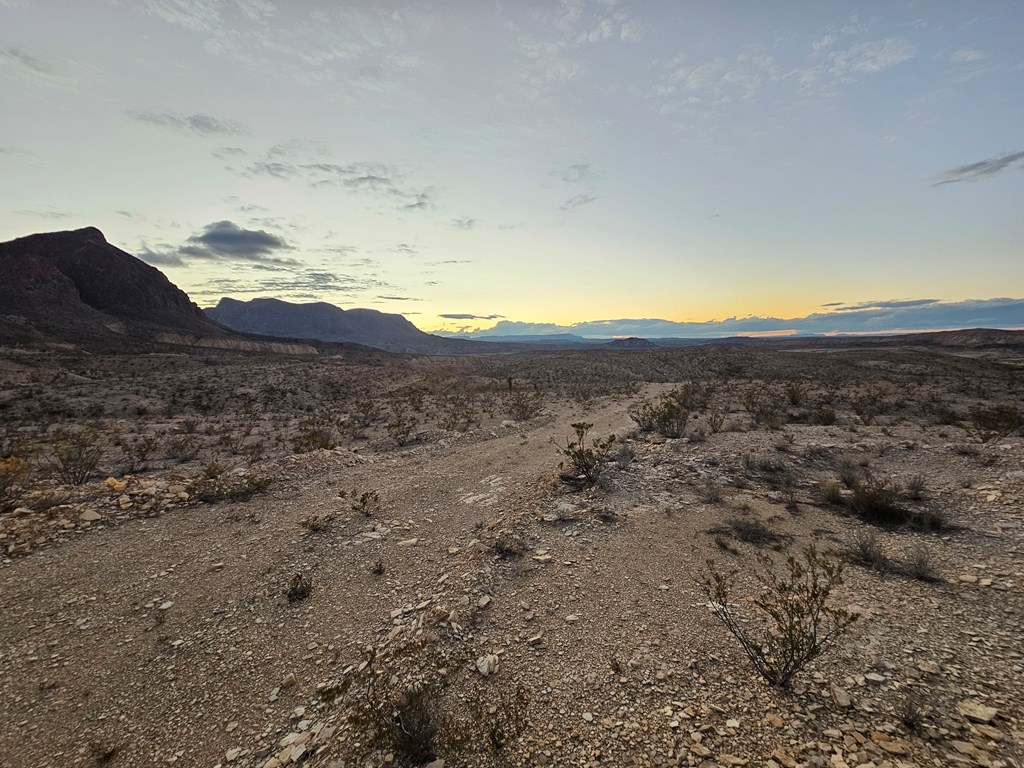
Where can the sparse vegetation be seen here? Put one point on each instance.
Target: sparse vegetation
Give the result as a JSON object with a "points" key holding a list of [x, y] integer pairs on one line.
{"points": [[586, 463], [801, 623]]}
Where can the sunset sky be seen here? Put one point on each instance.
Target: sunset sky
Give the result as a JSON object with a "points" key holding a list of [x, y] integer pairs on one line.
{"points": [[814, 166]]}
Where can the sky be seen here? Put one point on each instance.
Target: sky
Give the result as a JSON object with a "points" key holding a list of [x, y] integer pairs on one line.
{"points": [[601, 167]]}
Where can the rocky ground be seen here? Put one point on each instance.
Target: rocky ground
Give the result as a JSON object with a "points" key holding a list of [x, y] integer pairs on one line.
{"points": [[280, 609]]}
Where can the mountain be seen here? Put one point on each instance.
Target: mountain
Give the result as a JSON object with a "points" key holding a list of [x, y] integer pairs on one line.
{"points": [[326, 322], [76, 287], [630, 343]]}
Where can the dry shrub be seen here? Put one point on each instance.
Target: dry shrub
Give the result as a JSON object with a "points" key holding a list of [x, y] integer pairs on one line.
{"points": [[801, 625]]}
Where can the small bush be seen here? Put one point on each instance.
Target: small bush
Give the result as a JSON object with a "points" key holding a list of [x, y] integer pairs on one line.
{"points": [[801, 623], [623, 455], [299, 588], [749, 531], [523, 404], [994, 422], [586, 463], [366, 503], [920, 564], [875, 500], [831, 492], [916, 487], [866, 550], [76, 456]]}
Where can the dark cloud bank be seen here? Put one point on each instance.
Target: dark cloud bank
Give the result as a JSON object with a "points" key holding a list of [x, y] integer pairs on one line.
{"points": [[862, 318]]}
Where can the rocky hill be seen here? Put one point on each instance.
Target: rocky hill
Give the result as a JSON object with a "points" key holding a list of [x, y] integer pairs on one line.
{"points": [[630, 343], [75, 287], [327, 322]]}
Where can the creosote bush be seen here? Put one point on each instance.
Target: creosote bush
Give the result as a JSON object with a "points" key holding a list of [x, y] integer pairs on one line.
{"points": [[801, 623], [76, 455], [994, 422], [586, 463]]}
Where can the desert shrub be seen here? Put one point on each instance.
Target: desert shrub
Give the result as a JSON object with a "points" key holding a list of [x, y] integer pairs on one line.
{"points": [[523, 404], [671, 413], [824, 414], [228, 488], [315, 433], [710, 492], [767, 407], [135, 453], [831, 492], [586, 463], [76, 456], [750, 531], [801, 625], [365, 503], [993, 422], [866, 550], [911, 710], [623, 455], [849, 472], [402, 424], [460, 411], [716, 419], [875, 499], [915, 487], [183, 447], [918, 563], [317, 523], [363, 414], [299, 588]]}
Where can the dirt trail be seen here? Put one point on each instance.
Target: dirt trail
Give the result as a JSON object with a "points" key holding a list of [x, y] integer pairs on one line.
{"points": [[149, 640]]}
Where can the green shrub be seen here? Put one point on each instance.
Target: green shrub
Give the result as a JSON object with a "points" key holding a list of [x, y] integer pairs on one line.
{"points": [[586, 463]]}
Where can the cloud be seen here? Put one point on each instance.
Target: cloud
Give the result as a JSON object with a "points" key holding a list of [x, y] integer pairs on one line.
{"points": [[399, 298], [966, 55], [872, 57], [198, 123], [463, 223], [578, 173], [878, 317], [225, 241], [468, 316], [19, 58], [980, 170], [369, 178], [225, 238], [578, 200], [841, 307], [299, 283], [160, 258], [44, 214], [32, 67]]}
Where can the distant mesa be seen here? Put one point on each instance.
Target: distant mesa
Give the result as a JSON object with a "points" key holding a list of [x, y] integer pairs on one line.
{"points": [[630, 343], [326, 322]]}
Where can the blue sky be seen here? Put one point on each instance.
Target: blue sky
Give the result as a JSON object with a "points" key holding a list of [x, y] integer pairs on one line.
{"points": [[544, 165]]}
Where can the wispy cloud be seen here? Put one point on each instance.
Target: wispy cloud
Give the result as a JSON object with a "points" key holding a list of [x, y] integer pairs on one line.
{"points": [[967, 55], [577, 201], [463, 223], [197, 123], [468, 316], [578, 173], [871, 57], [32, 67], [983, 169]]}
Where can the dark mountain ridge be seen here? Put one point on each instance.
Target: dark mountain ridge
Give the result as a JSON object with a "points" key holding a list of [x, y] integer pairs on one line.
{"points": [[327, 322], [76, 287]]}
